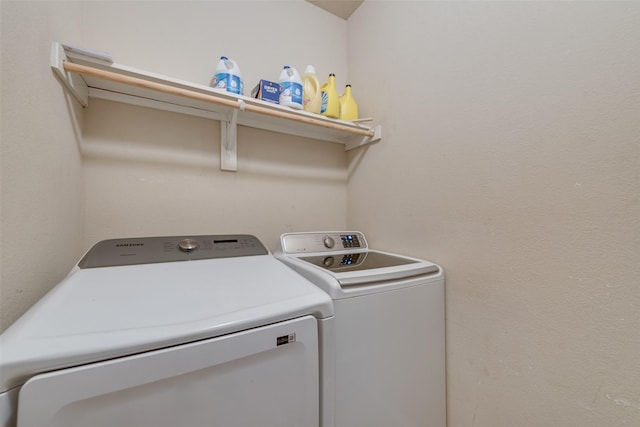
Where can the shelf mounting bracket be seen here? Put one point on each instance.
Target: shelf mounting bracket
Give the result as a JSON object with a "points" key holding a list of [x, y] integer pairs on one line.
{"points": [[229, 141], [364, 140], [74, 82]]}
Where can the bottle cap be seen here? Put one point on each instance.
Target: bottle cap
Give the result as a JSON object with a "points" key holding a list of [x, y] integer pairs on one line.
{"points": [[310, 69]]}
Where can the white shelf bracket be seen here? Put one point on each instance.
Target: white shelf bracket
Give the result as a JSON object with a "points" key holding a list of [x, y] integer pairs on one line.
{"points": [[74, 82], [229, 142], [359, 142]]}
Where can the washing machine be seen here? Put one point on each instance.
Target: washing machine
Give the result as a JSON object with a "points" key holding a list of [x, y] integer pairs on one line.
{"points": [[170, 331], [389, 328]]}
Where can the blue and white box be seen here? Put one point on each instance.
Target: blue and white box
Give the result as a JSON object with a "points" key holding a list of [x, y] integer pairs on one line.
{"points": [[267, 91]]}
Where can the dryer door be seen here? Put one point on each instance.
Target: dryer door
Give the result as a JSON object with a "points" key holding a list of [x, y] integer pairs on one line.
{"points": [[266, 376]]}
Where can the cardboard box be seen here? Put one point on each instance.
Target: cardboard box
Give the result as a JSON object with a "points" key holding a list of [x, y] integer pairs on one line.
{"points": [[267, 91]]}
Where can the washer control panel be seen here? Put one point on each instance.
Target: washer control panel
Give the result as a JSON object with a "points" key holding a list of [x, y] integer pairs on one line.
{"points": [[149, 250], [296, 243]]}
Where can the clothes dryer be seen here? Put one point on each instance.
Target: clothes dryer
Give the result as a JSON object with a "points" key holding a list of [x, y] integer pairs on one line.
{"points": [[169, 331], [389, 328]]}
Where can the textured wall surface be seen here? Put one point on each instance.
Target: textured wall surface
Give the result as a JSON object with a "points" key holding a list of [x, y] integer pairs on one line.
{"points": [[511, 155], [41, 197]]}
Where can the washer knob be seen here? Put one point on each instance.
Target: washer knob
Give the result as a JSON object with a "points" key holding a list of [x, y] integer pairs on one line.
{"points": [[328, 242], [188, 245]]}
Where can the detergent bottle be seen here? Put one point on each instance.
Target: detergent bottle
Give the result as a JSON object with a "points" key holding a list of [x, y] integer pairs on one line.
{"points": [[330, 102], [228, 76], [348, 105], [312, 96], [290, 88]]}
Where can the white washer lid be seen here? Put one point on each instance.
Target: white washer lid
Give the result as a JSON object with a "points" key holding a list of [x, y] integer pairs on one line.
{"points": [[342, 264], [349, 284], [107, 312], [366, 267]]}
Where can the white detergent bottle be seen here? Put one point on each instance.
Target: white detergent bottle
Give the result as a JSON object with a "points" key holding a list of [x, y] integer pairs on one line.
{"points": [[228, 76], [312, 95], [290, 88]]}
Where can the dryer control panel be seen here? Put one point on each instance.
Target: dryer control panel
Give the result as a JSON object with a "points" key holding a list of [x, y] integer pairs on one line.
{"points": [[296, 243], [148, 250]]}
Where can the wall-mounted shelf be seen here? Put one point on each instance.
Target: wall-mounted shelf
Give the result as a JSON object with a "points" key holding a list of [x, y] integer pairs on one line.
{"points": [[87, 75]]}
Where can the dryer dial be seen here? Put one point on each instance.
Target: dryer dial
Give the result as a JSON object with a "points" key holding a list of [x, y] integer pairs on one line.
{"points": [[188, 245]]}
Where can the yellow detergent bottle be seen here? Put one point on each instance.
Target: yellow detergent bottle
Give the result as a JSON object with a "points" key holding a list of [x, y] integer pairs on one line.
{"points": [[348, 105], [312, 96], [330, 102]]}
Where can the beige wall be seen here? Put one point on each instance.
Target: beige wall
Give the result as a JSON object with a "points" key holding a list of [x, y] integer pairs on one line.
{"points": [[159, 175], [40, 205], [511, 155]]}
